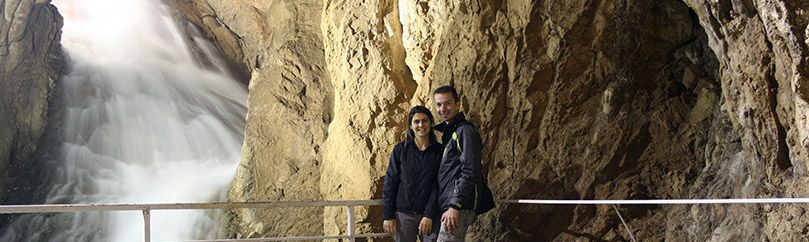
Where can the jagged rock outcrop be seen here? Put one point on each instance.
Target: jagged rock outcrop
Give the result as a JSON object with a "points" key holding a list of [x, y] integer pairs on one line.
{"points": [[289, 106], [762, 50], [574, 99], [372, 87], [30, 63]]}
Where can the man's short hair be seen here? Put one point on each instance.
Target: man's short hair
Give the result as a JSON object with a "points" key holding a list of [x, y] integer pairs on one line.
{"points": [[447, 89]]}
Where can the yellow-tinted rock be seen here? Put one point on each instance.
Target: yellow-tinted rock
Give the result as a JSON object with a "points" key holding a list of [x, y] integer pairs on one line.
{"points": [[289, 107], [574, 100]]}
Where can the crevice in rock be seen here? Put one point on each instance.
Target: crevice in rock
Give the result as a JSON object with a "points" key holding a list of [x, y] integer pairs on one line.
{"points": [[782, 159], [401, 73]]}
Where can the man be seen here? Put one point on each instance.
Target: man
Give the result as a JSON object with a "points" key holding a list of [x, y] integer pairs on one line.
{"points": [[460, 174]]}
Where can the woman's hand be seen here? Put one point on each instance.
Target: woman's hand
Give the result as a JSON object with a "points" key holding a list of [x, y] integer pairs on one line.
{"points": [[425, 226], [389, 225]]}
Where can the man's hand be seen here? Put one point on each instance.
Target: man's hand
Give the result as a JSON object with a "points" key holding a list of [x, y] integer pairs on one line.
{"points": [[450, 219], [389, 225], [425, 226]]}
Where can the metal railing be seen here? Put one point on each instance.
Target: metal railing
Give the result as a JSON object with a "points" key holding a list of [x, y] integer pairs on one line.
{"points": [[614, 204], [148, 208], [350, 204]]}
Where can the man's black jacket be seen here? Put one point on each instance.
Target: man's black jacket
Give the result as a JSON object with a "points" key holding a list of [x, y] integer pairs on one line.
{"points": [[460, 173], [410, 183]]}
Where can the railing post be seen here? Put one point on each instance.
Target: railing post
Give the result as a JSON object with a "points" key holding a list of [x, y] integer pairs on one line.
{"points": [[146, 226], [350, 226]]}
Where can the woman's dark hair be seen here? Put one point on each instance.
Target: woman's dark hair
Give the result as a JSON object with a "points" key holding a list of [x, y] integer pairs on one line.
{"points": [[413, 111]]}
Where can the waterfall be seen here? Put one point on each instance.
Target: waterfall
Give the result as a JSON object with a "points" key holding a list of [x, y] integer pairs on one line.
{"points": [[148, 114]]}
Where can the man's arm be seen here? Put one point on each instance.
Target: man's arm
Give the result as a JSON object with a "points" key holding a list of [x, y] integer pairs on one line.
{"points": [[471, 152]]}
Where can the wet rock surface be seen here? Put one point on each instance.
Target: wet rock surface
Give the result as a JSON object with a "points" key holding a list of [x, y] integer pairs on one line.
{"points": [[31, 62]]}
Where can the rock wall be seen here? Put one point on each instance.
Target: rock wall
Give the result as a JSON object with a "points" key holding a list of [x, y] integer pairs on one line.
{"points": [[762, 50], [372, 86], [574, 99], [289, 106], [30, 63]]}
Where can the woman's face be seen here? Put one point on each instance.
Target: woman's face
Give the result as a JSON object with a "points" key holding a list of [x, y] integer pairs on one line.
{"points": [[421, 125]]}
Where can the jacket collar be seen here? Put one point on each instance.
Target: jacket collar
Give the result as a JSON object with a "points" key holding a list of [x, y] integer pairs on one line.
{"points": [[452, 124], [412, 144], [447, 128], [459, 118]]}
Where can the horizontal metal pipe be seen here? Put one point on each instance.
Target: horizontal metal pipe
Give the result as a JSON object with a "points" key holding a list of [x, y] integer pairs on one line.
{"points": [[372, 235], [64, 208], [61, 208], [660, 201]]}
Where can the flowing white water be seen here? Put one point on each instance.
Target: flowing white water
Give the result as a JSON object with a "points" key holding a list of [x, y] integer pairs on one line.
{"points": [[150, 116]]}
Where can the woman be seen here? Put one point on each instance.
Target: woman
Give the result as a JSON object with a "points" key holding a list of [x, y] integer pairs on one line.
{"points": [[409, 194]]}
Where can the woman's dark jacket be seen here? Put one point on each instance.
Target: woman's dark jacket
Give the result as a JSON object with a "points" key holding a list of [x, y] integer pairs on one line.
{"points": [[411, 181]]}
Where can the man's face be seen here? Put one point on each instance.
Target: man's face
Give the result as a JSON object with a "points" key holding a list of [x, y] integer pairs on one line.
{"points": [[446, 106]]}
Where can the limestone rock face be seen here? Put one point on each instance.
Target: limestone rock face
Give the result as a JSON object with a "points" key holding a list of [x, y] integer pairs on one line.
{"points": [[574, 100], [289, 106], [762, 50], [372, 87], [30, 62]]}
